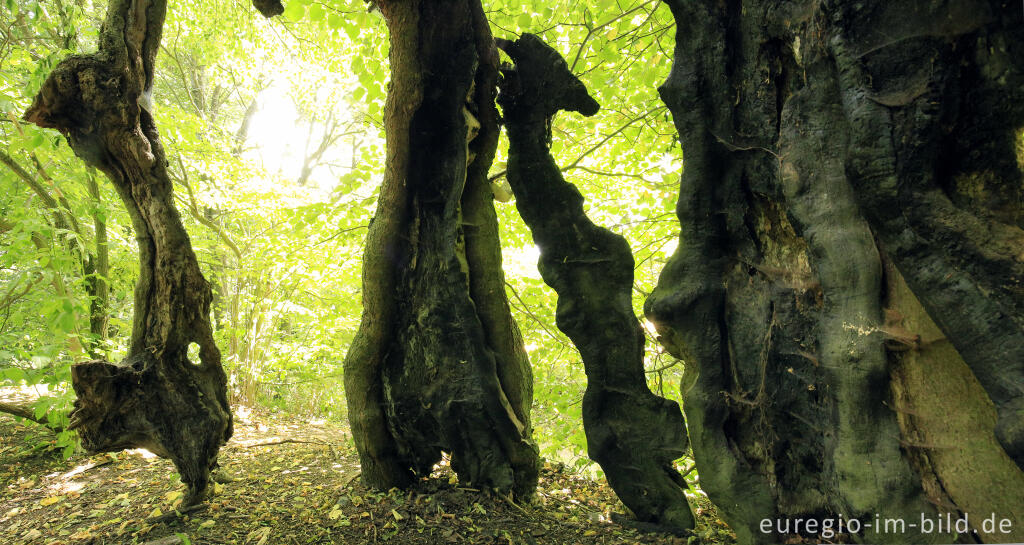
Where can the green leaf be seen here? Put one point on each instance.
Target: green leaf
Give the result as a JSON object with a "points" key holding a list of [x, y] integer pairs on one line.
{"points": [[41, 406], [294, 11], [66, 321], [38, 140], [317, 12], [13, 374], [335, 21], [524, 21], [352, 31]]}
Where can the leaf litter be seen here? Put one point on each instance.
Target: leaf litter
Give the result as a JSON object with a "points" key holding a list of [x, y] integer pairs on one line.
{"points": [[286, 481]]}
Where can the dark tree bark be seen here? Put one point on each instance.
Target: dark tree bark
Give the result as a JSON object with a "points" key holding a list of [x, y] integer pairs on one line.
{"points": [[633, 434], [834, 150], [438, 364], [157, 398]]}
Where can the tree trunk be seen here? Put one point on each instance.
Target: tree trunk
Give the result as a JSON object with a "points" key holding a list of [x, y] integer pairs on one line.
{"points": [[634, 435], [98, 281], [157, 398], [438, 364], [823, 140]]}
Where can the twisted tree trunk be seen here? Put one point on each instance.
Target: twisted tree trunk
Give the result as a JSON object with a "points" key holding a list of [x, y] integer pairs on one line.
{"points": [[834, 149], [157, 398], [633, 434], [438, 364]]}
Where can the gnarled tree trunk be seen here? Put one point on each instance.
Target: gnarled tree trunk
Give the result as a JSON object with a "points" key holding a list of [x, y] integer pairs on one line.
{"points": [[158, 398], [438, 364], [633, 434], [834, 149]]}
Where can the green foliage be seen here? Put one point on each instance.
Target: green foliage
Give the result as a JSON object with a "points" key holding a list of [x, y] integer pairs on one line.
{"points": [[46, 226], [273, 131]]}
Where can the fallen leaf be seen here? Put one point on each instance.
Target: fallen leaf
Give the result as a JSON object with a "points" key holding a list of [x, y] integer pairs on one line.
{"points": [[50, 500]]}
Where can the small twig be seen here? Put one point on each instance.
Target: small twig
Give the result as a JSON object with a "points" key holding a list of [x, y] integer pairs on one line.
{"points": [[168, 540], [283, 441], [674, 363], [508, 500], [177, 513], [349, 478]]}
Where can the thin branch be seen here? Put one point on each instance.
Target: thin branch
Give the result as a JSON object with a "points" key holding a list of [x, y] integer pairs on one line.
{"points": [[526, 309], [26, 412], [592, 30], [287, 441], [193, 209]]}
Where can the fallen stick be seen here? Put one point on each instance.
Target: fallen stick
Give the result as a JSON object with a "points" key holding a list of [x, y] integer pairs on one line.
{"points": [[169, 540], [283, 441], [177, 513]]}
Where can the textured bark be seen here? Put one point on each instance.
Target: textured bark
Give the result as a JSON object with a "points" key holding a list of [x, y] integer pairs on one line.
{"points": [[157, 398], [947, 423], [633, 434], [818, 136], [437, 364]]}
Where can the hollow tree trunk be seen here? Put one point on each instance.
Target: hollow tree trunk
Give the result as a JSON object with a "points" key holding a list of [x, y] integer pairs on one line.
{"points": [[823, 140], [157, 398], [438, 364], [633, 434]]}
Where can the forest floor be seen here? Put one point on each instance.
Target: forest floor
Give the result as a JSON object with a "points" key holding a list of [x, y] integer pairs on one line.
{"points": [[295, 483]]}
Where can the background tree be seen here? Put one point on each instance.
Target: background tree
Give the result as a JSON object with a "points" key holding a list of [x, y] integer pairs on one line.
{"points": [[55, 269], [847, 289]]}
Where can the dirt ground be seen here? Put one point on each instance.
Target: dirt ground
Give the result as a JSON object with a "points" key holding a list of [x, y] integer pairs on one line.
{"points": [[293, 483]]}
